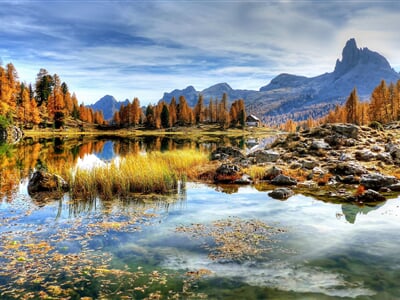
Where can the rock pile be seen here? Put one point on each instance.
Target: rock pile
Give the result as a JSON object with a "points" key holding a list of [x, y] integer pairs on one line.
{"points": [[341, 156]]}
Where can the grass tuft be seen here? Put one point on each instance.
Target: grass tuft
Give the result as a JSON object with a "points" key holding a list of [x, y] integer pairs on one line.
{"points": [[155, 172]]}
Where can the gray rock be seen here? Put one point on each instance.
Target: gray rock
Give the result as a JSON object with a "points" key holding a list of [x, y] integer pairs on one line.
{"points": [[309, 164], [335, 140], [349, 179], [42, 181], [295, 165], [347, 168], [227, 173], [347, 130], [385, 157], [395, 153], [272, 173], [394, 187], [319, 145], [283, 180], [263, 156], [364, 155], [376, 181], [376, 148], [318, 171], [281, 193], [370, 196]]}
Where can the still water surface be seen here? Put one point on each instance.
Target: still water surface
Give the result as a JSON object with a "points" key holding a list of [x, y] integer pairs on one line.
{"points": [[130, 248]]}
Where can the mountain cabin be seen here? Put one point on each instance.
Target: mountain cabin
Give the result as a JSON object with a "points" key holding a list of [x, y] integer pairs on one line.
{"points": [[253, 121]]}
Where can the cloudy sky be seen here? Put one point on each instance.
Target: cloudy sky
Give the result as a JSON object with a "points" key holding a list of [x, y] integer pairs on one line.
{"points": [[145, 48]]}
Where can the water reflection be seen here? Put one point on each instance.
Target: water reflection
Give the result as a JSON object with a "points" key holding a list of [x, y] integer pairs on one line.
{"points": [[351, 211], [18, 161]]}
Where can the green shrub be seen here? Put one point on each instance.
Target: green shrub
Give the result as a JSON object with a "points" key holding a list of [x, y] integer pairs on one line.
{"points": [[3, 123]]}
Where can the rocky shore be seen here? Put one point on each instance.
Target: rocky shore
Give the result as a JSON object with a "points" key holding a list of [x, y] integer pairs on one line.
{"points": [[335, 162]]}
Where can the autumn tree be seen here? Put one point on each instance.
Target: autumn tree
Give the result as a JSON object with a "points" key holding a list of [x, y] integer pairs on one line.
{"points": [[135, 112], [352, 108], [149, 116], [184, 113], [165, 122], [211, 111], [43, 86], [172, 110], [199, 110], [377, 103], [222, 113]]}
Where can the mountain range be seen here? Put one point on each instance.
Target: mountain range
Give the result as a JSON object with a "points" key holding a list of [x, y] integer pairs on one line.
{"points": [[299, 97], [108, 105]]}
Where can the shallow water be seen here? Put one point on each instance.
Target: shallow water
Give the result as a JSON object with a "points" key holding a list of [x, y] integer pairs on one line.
{"points": [[131, 248]]}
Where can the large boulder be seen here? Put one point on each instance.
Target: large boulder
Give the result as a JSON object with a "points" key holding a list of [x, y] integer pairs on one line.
{"points": [[225, 152], [377, 181], [227, 173], [42, 181], [347, 130], [364, 155], [272, 172], [263, 156], [281, 193], [283, 180], [319, 145], [347, 168]]}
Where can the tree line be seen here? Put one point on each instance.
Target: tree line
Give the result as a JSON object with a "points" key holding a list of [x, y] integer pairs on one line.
{"points": [[166, 115], [383, 107], [46, 103]]}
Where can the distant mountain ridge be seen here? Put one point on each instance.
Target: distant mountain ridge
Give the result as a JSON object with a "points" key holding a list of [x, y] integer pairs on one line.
{"points": [[108, 105], [293, 96], [298, 97]]}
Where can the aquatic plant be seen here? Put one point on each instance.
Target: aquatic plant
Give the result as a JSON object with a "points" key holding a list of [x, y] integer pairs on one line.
{"points": [[233, 239], [154, 172]]}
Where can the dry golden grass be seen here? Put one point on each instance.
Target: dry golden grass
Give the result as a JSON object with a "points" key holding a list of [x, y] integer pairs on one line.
{"points": [[155, 172], [255, 172]]}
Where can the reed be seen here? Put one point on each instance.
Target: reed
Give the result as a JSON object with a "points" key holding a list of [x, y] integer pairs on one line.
{"points": [[255, 172], [155, 172]]}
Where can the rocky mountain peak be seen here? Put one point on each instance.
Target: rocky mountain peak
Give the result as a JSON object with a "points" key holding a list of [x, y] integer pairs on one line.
{"points": [[350, 58], [353, 57]]}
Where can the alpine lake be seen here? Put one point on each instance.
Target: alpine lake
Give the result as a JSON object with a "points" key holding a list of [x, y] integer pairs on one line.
{"points": [[202, 241]]}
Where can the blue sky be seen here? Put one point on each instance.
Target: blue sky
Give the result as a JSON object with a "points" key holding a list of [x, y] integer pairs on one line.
{"points": [[145, 48]]}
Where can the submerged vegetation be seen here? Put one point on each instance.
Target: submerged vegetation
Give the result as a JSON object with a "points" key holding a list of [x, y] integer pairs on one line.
{"points": [[159, 172], [233, 239]]}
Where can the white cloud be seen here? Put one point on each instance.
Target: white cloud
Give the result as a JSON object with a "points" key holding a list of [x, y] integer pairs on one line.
{"points": [[146, 48]]}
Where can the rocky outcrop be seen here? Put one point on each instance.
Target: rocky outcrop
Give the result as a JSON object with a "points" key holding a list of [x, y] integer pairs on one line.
{"points": [[42, 181], [339, 157], [281, 193]]}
